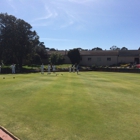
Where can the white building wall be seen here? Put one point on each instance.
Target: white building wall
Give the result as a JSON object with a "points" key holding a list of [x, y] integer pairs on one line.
{"points": [[99, 60], [125, 59], [106, 58]]}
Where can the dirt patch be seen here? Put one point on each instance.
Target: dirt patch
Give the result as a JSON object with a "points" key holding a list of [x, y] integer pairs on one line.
{"points": [[6, 135]]}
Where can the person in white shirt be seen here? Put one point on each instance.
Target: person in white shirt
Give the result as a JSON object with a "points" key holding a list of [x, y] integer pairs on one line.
{"points": [[0, 68], [73, 68], [13, 68], [42, 69], [53, 67], [49, 69], [77, 70], [69, 68]]}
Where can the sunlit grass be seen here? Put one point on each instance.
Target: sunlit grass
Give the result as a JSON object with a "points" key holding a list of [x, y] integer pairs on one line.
{"points": [[88, 106]]}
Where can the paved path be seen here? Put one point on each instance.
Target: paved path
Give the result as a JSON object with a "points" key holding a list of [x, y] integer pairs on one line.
{"points": [[4, 136]]}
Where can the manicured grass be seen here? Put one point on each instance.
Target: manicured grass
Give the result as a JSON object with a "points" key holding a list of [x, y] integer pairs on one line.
{"points": [[88, 106]]}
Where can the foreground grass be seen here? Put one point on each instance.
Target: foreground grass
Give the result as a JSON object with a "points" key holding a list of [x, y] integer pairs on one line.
{"points": [[88, 106]]}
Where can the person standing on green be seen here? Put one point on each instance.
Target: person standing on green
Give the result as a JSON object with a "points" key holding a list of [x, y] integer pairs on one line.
{"points": [[77, 70], [13, 68], [0, 68], [42, 69], [49, 69]]}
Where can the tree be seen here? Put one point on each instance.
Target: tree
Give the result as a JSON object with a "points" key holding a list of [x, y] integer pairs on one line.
{"points": [[52, 49], [97, 48], [17, 40], [56, 58], [41, 50], [47, 49], [74, 56], [80, 49], [36, 59], [124, 48], [114, 48]]}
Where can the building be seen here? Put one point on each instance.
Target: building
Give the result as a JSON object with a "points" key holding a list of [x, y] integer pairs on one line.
{"points": [[104, 58]]}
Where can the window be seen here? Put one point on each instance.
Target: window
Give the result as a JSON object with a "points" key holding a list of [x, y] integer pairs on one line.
{"points": [[108, 59]]}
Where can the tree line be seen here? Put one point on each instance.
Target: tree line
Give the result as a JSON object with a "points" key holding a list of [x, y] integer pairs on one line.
{"points": [[20, 44]]}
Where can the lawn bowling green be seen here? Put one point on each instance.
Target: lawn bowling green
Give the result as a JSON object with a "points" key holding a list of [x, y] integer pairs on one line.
{"points": [[88, 106]]}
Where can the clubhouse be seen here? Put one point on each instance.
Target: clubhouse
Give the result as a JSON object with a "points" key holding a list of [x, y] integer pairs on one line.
{"points": [[104, 57]]}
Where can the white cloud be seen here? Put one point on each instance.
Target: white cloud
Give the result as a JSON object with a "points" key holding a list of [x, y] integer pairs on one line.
{"points": [[42, 18], [62, 14], [50, 12]]}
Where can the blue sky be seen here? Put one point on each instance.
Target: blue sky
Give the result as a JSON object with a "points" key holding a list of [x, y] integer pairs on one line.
{"points": [[68, 24]]}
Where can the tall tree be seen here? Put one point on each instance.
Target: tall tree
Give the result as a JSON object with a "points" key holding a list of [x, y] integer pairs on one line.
{"points": [[41, 50], [52, 49], [124, 49], [114, 48], [97, 48], [56, 58], [74, 56], [17, 39]]}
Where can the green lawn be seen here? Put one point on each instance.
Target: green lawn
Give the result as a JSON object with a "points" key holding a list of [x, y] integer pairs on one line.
{"points": [[88, 106]]}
